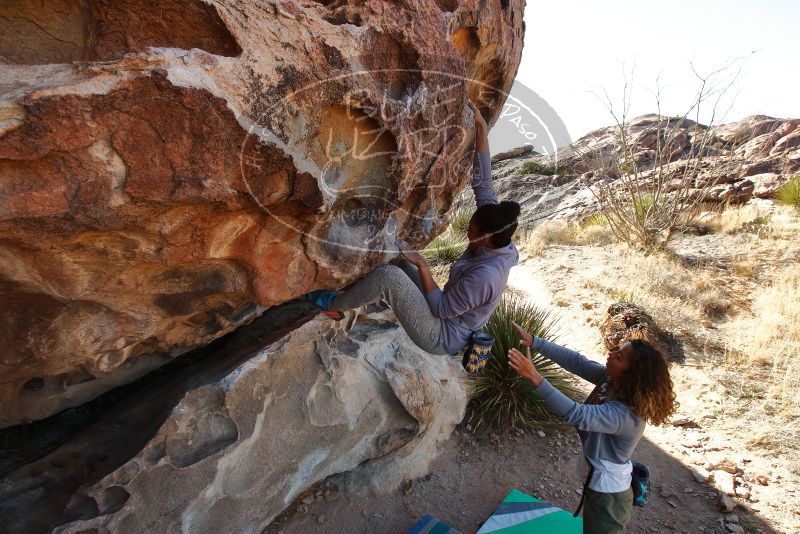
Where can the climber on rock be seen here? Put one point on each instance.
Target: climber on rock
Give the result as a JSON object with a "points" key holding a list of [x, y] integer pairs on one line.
{"points": [[442, 321]]}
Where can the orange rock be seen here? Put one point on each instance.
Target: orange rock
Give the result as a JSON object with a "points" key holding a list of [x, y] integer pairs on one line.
{"points": [[166, 173]]}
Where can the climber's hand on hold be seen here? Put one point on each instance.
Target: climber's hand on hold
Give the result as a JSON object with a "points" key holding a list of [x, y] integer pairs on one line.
{"points": [[411, 254], [480, 125], [481, 129]]}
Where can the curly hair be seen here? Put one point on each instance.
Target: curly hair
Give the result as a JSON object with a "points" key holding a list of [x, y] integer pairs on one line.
{"points": [[646, 386]]}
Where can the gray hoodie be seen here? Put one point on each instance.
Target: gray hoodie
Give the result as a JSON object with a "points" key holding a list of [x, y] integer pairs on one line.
{"points": [[476, 283]]}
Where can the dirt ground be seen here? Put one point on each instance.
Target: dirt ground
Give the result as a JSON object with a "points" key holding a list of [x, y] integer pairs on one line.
{"points": [[474, 471]]}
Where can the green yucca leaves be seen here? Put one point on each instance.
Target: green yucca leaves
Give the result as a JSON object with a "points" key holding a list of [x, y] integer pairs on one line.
{"points": [[445, 248], [459, 222], [500, 397], [789, 193]]}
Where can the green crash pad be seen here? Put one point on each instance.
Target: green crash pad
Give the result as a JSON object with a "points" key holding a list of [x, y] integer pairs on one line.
{"points": [[522, 514]]}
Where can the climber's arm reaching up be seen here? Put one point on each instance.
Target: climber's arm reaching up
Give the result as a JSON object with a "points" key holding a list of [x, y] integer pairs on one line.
{"points": [[482, 164]]}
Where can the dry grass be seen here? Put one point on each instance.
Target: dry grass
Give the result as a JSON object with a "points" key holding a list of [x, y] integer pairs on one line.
{"points": [[734, 219], [762, 221], [536, 240], [745, 267], [771, 338], [681, 299]]}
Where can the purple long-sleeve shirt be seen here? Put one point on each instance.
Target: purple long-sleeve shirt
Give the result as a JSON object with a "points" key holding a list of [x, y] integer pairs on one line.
{"points": [[476, 283]]}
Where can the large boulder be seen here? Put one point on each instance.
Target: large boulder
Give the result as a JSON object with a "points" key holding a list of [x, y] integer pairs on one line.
{"points": [[237, 445], [170, 169]]}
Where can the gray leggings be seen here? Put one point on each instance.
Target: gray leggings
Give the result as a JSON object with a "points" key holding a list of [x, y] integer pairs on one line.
{"points": [[401, 288]]}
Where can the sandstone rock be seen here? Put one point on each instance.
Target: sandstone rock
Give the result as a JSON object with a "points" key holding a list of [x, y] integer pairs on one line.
{"points": [[766, 184], [726, 503], [513, 153], [727, 465], [239, 445], [738, 193], [685, 422], [732, 518], [724, 482], [742, 492], [701, 475], [746, 129], [625, 321], [161, 188]]}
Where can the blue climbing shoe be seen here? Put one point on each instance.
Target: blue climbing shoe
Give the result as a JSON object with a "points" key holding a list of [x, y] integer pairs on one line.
{"points": [[323, 300]]}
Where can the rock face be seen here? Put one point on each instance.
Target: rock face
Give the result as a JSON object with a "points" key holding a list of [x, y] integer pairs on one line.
{"points": [[168, 171], [745, 159], [237, 447]]}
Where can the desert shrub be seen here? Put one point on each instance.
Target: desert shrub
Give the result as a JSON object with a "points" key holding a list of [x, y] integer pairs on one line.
{"points": [[644, 196], [598, 219], [596, 235], [535, 167], [459, 222], [789, 193], [500, 397], [535, 240], [736, 219], [445, 248], [643, 205]]}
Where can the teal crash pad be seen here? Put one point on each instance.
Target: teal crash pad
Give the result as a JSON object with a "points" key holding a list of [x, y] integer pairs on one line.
{"points": [[522, 514]]}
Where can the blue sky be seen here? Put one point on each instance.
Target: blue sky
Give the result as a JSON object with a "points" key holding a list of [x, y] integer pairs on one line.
{"points": [[574, 48]]}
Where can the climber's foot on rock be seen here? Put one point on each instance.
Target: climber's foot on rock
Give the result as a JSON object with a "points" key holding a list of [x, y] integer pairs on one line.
{"points": [[336, 315], [323, 300]]}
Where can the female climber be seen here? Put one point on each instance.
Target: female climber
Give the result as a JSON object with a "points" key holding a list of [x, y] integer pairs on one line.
{"points": [[631, 389], [441, 321]]}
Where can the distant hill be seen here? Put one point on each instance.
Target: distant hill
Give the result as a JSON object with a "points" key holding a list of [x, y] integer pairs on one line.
{"points": [[741, 160]]}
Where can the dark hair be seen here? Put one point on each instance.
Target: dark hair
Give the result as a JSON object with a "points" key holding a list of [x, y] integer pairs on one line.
{"points": [[646, 386], [497, 220]]}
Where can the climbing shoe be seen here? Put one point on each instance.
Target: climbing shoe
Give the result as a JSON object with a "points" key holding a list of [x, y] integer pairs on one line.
{"points": [[324, 300]]}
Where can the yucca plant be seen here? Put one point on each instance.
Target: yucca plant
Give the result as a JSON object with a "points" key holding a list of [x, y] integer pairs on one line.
{"points": [[789, 193], [459, 222], [445, 248], [500, 397], [597, 219]]}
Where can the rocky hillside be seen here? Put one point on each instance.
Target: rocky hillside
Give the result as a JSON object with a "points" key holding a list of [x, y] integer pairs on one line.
{"points": [[167, 173], [741, 160]]}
